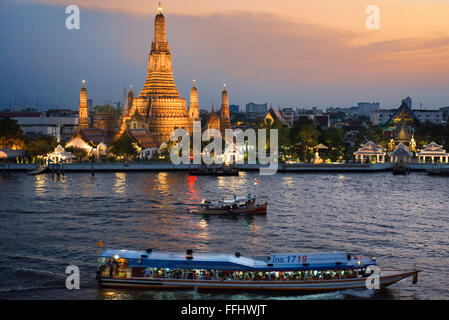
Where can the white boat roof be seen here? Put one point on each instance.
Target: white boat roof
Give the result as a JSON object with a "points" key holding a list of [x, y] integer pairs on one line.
{"points": [[286, 260]]}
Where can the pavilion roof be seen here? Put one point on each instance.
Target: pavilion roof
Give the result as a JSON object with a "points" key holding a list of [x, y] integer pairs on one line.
{"points": [[400, 151], [433, 149], [369, 148]]}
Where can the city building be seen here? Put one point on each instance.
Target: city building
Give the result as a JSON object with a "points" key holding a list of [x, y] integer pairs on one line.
{"points": [[408, 102], [255, 111], [289, 115], [234, 108], [384, 116], [36, 123], [365, 108]]}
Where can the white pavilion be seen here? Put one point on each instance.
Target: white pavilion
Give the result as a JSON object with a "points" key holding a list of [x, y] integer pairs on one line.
{"points": [[371, 152], [59, 155], [434, 152], [401, 154]]}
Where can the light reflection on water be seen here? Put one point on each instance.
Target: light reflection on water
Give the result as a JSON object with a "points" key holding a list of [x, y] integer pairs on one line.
{"points": [[48, 223]]}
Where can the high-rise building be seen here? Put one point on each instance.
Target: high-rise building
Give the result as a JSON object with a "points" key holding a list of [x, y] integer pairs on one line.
{"points": [[234, 108], [365, 108], [408, 102], [255, 110]]}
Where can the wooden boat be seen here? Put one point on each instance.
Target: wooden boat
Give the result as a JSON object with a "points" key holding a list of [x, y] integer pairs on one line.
{"points": [[243, 205], [400, 169], [215, 171], [38, 170], [438, 171], [296, 272]]}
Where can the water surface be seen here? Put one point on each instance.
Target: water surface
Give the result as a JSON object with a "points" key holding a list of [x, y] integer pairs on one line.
{"points": [[47, 224]]}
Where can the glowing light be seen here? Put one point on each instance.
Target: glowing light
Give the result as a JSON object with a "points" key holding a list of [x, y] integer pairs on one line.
{"points": [[116, 257]]}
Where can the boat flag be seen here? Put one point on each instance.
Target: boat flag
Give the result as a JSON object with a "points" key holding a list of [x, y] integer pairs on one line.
{"points": [[100, 244], [256, 181]]}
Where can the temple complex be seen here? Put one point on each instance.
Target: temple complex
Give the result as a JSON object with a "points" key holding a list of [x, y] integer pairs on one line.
{"points": [[83, 120], [159, 108]]}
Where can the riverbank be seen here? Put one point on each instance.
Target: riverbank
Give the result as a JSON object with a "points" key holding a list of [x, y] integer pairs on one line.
{"points": [[168, 167]]}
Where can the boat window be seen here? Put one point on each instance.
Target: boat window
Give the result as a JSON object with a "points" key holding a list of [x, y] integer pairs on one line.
{"points": [[119, 268]]}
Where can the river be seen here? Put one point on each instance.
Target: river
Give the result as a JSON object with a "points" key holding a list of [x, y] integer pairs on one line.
{"points": [[48, 223]]}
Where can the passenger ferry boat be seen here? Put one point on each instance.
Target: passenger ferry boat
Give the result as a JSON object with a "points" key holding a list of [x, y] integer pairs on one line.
{"points": [[299, 272], [238, 205]]}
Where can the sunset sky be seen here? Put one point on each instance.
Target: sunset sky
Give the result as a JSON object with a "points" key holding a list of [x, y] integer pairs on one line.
{"points": [[289, 53]]}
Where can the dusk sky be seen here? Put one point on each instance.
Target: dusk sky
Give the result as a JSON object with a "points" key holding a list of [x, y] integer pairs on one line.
{"points": [[288, 53]]}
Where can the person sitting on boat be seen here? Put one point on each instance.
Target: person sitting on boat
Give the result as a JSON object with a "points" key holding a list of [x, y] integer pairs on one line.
{"points": [[148, 272]]}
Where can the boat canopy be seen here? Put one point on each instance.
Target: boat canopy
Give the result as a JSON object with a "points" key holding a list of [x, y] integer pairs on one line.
{"points": [[274, 262]]}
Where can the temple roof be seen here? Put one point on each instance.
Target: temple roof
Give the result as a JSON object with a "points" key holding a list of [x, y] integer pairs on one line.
{"points": [[276, 114], [93, 136], [143, 138]]}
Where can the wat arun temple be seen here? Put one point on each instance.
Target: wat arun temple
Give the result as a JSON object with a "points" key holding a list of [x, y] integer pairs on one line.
{"points": [[159, 108]]}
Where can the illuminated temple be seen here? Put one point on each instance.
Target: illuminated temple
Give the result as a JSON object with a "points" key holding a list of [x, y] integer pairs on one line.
{"points": [[159, 108]]}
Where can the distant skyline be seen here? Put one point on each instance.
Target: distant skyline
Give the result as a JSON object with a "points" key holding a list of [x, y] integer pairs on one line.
{"points": [[291, 53]]}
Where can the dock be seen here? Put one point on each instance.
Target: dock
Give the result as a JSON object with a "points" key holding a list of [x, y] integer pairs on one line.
{"points": [[169, 167]]}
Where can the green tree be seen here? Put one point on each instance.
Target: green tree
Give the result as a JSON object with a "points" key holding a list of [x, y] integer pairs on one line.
{"points": [[77, 152], [308, 135], [333, 138], [41, 146], [124, 146], [10, 134]]}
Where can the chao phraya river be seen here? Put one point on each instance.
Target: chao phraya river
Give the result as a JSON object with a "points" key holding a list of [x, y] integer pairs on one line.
{"points": [[47, 224]]}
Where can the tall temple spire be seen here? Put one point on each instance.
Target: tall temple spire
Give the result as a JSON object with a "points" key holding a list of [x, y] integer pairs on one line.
{"points": [[159, 26], [159, 103], [129, 102], [225, 122], [194, 109], [160, 81], [83, 120]]}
